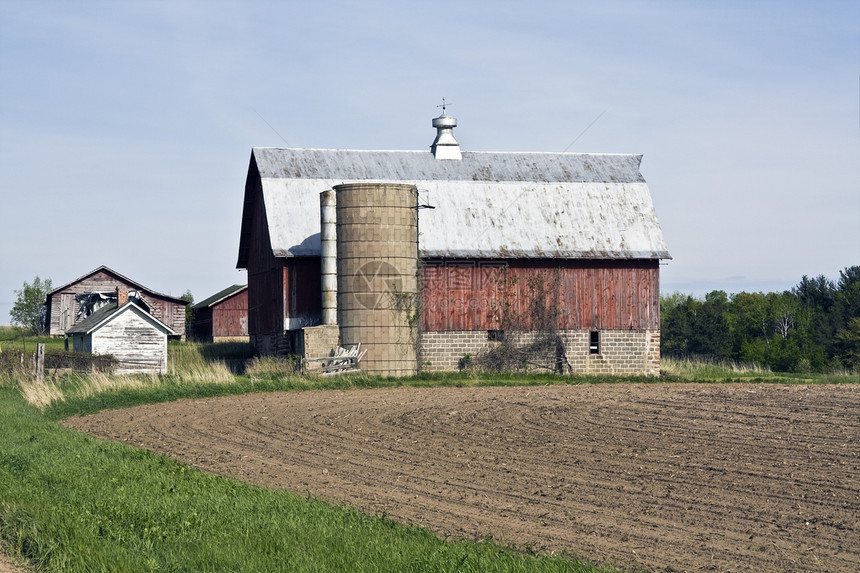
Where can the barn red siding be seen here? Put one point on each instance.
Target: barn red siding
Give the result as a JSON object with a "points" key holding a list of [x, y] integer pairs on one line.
{"points": [[471, 295], [303, 288], [230, 316], [265, 274]]}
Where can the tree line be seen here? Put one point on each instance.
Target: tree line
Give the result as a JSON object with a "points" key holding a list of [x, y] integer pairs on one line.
{"points": [[814, 327]]}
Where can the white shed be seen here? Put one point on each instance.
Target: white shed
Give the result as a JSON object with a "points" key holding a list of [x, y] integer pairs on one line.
{"points": [[134, 337]]}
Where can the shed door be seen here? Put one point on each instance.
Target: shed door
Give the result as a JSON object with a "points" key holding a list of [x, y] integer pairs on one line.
{"points": [[67, 311], [168, 315]]}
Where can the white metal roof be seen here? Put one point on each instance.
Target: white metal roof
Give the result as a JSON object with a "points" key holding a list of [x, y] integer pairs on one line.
{"points": [[487, 205], [357, 165]]}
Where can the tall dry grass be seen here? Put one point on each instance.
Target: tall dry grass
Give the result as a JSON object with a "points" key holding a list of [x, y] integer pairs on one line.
{"points": [[273, 368], [702, 368], [187, 367]]}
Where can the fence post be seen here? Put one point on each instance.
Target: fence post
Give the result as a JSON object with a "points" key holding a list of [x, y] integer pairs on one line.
{"points": [[40, 362]]}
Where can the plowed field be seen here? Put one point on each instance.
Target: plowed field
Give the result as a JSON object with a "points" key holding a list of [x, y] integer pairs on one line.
{"points": [[682, 477]]}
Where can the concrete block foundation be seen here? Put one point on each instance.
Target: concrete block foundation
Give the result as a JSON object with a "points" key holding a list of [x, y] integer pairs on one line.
{"points": [[634, 352]]}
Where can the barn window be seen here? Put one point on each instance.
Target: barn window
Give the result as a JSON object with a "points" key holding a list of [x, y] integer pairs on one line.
{"points": [[496, 335], [594, 342]]}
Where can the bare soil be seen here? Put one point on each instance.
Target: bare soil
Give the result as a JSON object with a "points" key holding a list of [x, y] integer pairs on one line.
{"points": [[667, 477], [8, 565]]}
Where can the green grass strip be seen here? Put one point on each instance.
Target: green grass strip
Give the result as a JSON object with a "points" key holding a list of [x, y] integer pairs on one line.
{"points": [[70, 502]]}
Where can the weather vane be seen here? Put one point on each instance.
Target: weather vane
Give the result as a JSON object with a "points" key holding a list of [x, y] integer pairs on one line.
{"points": [[444, 104]]}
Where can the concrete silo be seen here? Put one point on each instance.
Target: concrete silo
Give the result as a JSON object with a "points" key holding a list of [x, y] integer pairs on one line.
{"points": [[377, 266]]}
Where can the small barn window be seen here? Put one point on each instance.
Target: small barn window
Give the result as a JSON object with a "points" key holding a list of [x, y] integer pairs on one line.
{"points": [[594, 342], [496, 335]]}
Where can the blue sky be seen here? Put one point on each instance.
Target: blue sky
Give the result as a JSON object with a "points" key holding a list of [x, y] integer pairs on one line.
{"points": [[126, 127]]}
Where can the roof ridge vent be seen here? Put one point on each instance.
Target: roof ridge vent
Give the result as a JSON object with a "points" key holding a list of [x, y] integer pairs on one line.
{"points": [[445, 146]]}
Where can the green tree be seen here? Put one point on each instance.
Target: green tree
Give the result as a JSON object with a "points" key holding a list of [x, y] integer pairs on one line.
{"points": [[848, 344], [189, 314], [713, 337], [818, 295], [783, 312], [669, 302], [847, 306], [693, 326], [676, 328], [750, 326], [847, 277], [30, 309], [818, 292]]}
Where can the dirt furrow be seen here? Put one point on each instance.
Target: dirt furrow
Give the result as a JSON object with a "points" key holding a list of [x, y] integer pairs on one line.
{"points": [[664, 477]]}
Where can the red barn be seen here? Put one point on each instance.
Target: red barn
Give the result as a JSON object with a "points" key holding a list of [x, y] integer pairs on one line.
{"points": [[223, 316], [501, 237]]}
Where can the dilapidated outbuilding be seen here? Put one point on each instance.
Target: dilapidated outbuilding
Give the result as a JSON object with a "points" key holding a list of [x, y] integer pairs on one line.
{"points": [[497, 238], [222, 317], [122, 329], [71, 303]]}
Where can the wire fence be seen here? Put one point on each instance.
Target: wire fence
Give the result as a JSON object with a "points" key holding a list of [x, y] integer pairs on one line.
{"points": [[12, 361], [58, 363]]}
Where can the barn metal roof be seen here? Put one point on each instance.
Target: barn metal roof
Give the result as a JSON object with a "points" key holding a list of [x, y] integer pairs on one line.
{"points": [[356, 165], [122, 278], [487, 205], [219, 296]]}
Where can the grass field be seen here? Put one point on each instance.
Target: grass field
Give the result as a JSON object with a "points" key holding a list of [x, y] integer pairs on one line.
{"points": [[69, 502]]}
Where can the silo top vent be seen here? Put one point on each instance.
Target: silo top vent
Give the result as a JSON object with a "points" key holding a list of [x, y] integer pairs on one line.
{"points": [[445, 146]]}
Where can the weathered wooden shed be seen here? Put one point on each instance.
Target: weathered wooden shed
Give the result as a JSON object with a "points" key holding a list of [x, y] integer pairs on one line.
{"points": [[71, 303], [130, 334], [496, 231], [222, 317]]}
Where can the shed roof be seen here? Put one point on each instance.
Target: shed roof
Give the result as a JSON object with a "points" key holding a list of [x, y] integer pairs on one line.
{"points": [[220, 296], [487, 205], [110, 311]]}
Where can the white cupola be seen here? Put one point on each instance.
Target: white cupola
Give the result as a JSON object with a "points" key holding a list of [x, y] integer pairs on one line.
{"points": [[445, 146]]}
